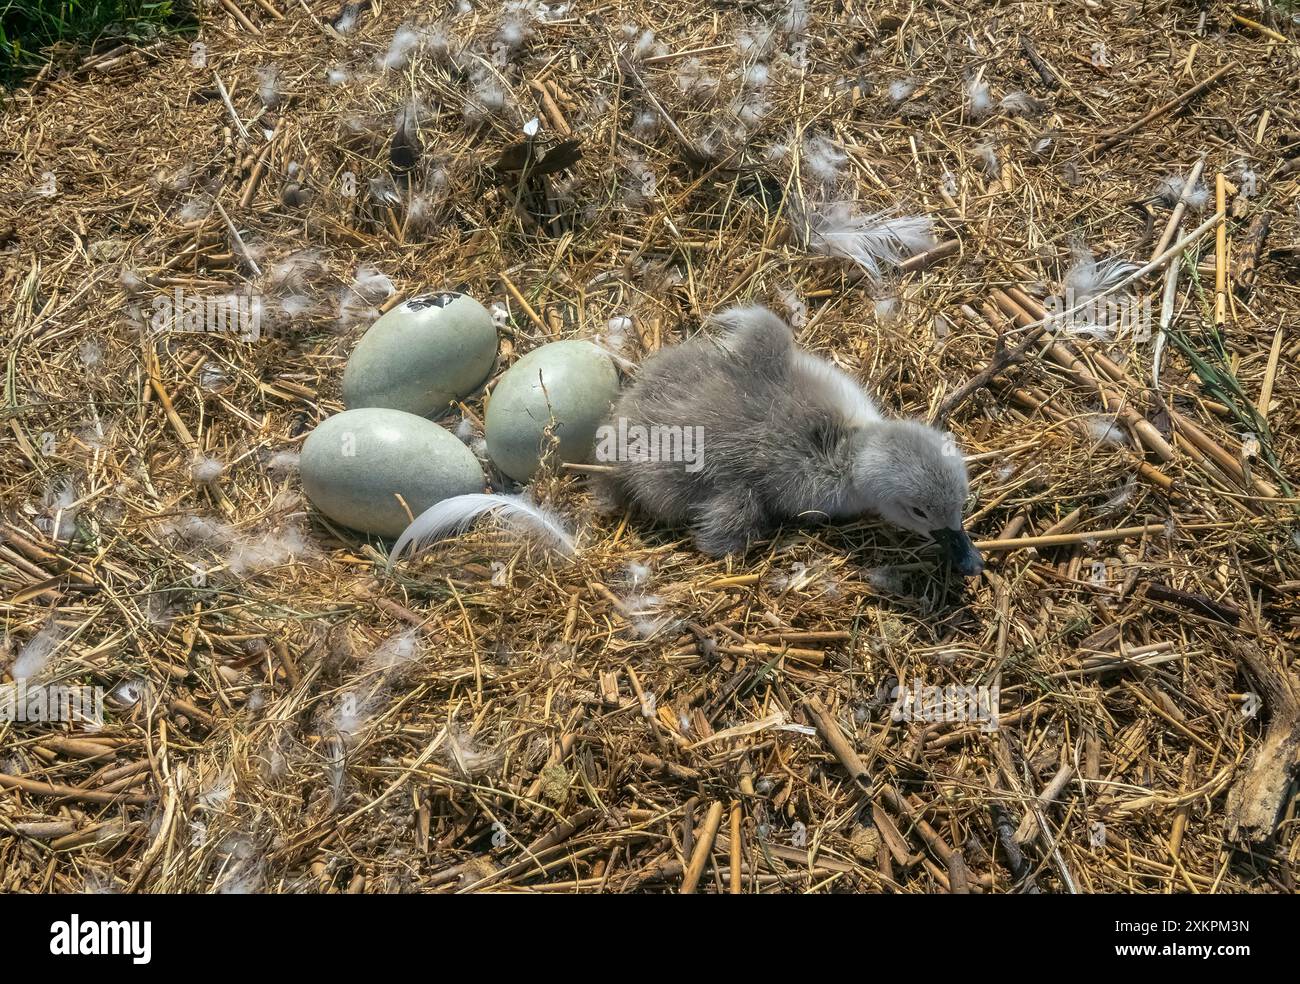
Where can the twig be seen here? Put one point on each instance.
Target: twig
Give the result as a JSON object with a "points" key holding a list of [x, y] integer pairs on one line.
{"points": [[1254, 25], [1064, 539], [1026, 831], [1044, 70], [688, 145], [238, 241], [230, 107], [240, 16], [1180, 209], [1120, 135], [1221, 253], [1220, 611]]}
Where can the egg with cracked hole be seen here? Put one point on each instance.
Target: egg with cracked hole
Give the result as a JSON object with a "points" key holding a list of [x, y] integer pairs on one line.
{"points": [[422, 355], [570, 383], [359, 467]]}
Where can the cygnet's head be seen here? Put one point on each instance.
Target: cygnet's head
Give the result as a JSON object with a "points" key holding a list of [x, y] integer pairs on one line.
{"points": [[915, 477]]}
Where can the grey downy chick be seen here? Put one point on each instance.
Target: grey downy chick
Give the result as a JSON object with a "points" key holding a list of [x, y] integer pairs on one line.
{"points": [[780, 435]]}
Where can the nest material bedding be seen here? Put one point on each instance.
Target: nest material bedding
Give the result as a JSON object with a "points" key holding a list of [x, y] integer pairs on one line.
{"points": [[285, 714]]}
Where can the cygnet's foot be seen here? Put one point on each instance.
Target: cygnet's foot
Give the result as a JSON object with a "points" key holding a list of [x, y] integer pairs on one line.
{"points": [[717, 544], [728, 523], [605, 498]]}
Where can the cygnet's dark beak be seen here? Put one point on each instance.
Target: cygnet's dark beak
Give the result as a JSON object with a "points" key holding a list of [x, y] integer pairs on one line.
{"points": [[961, 551]]}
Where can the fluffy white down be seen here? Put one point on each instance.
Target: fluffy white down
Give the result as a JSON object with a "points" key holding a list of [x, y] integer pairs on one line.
{"points": [[846, 394]]}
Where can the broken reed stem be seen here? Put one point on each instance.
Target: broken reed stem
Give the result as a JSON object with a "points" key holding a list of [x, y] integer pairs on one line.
{"points": [[523, 303], [703, 848], [1029, 825], [735, 885], [837, 742], [259, 169], [1221, 253], [1168, 299], [230, 107], [1122, 134], [1270, 374], [1180, 209], [240, 16], [551, 108], [36, 788], [1062, 539], [922, 261], [1255, 25], [238, 240]]}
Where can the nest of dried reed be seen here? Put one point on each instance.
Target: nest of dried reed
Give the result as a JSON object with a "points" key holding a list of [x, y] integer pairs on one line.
{"points": [[285, 715]]}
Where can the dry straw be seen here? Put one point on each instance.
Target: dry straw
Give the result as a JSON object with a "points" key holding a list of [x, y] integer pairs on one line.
{"points": [[285, 714]]}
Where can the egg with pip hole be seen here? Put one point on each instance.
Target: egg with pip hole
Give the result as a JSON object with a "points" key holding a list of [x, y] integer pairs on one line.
{"points": [[423, 354]]}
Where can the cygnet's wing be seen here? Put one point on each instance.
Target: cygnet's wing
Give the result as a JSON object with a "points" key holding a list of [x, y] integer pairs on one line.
{"points": [[819, 379], [763, 348], [758, 341]]}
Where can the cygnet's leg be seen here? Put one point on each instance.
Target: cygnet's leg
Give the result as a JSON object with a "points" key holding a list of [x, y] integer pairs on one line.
{"points": [[728, 522], [608, 495]]}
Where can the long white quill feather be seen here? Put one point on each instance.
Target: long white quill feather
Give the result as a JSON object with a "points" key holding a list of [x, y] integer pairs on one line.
{"points": [[457, 513]]}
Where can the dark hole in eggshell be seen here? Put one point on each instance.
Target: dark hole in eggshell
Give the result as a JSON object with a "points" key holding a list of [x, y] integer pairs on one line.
{"points": [[439, 300]]}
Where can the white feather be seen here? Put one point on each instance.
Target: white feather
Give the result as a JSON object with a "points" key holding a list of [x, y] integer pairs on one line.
{"points": [[756, 40], [394, 653], [1170, 192], [282, 464], [285, 544], [35, 656], [979, 99], [823, 160], [900, 90], [268, 86], [1021, 104], [457, 513], [796, 309], [206, 471], [1105, 431], [874, 242], [1088, 277], [404, 42], [372, 285], [795, 21], [693, 80], [987, 151]]}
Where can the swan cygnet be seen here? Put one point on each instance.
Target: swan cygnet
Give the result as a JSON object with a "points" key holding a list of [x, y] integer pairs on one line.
{"points": [[777, 434]]}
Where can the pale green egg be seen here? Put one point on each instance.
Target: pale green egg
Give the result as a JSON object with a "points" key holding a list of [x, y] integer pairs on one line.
{"points": [[422, 355], [572, 383], [356, 464]]}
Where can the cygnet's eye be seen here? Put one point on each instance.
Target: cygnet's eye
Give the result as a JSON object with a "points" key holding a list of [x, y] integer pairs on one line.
{"points": [[918, 512]]}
